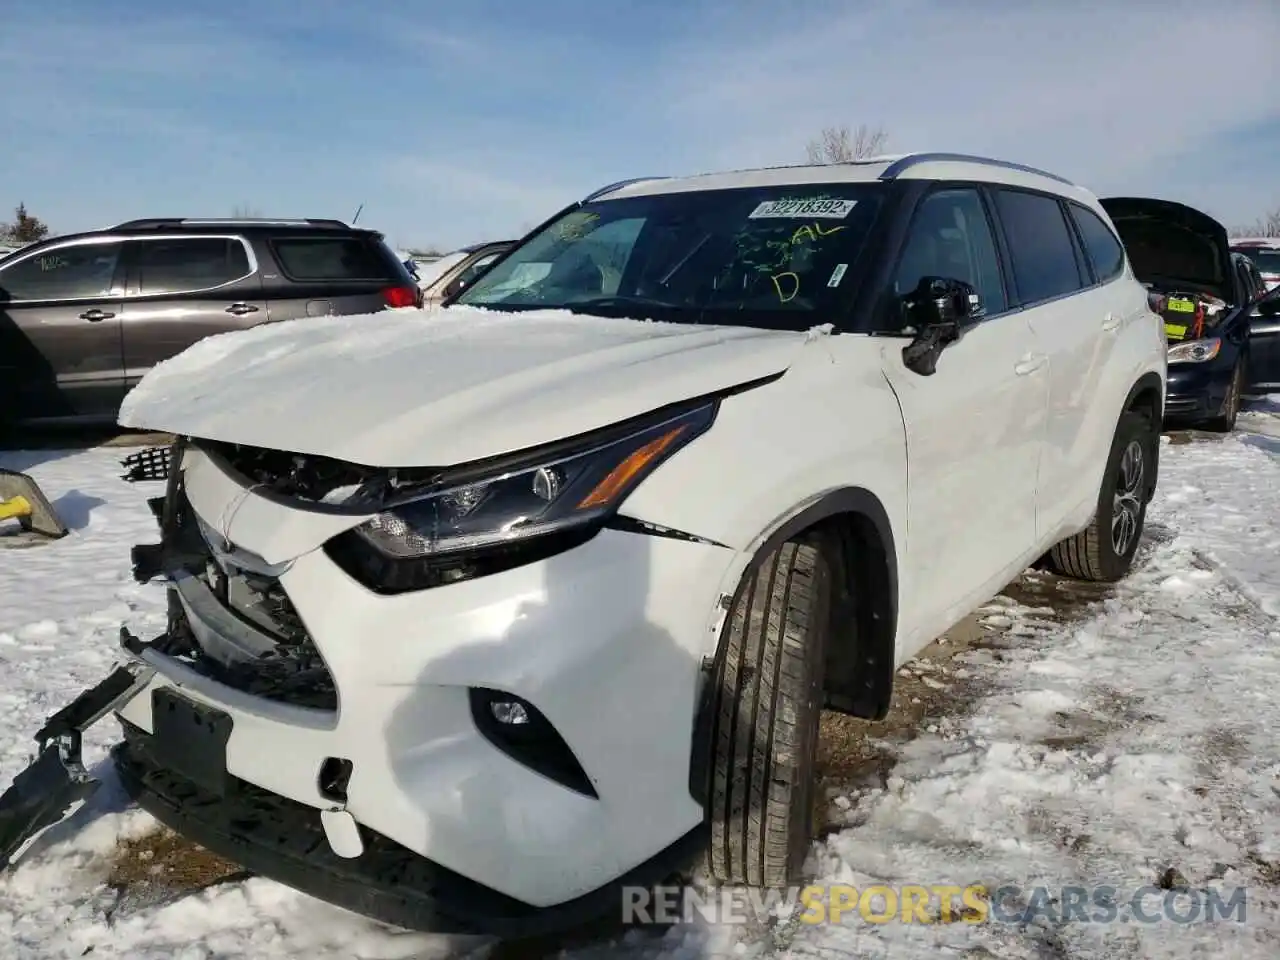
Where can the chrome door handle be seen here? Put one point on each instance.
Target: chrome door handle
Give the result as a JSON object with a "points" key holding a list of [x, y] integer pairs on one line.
{"points": [[1111, 322], [240, 309], [1030, 364], [93, 316]]}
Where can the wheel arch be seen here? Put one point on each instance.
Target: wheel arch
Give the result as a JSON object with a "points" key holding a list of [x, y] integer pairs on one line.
{"points": [[857, 538], [1146, 397]]}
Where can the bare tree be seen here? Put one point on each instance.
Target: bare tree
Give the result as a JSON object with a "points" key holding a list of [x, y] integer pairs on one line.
{"points": [[1267, 226], [840, 145]]}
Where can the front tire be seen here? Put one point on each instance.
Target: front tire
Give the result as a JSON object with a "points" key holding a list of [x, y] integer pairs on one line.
{"points": [[767, 704], [1103, 552], [1225, 421]]}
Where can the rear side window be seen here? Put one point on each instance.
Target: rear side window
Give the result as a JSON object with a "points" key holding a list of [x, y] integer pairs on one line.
{"points": [[1105, 251], [76, 271], [189, 265], [1040, 245], [333, 258]]}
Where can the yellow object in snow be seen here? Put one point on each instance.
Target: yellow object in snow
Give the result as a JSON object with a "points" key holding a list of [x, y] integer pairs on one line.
{"points": [[1174, 331], [1179, 305], [14, 507]]}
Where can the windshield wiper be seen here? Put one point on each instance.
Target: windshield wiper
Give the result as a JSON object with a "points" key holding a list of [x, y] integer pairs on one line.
{"points": [[620, 300]]}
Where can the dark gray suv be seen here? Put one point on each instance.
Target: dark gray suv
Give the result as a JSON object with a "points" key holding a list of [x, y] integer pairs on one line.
{"points": [[83, 317]]}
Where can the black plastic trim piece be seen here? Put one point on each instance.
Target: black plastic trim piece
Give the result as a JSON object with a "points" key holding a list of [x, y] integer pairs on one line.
{"points": [[282, 840], [384, 575], [537, 746], [625, 524]]}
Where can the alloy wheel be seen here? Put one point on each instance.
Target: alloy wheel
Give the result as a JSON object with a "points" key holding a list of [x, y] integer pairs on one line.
{"points": [[1126, 503]]}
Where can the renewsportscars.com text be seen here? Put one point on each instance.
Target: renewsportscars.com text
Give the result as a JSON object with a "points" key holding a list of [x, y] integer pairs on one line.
{"points": [[935, 903]]}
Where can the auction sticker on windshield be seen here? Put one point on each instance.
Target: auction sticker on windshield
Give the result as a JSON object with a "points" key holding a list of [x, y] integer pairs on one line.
{"points": [[826, 209]]}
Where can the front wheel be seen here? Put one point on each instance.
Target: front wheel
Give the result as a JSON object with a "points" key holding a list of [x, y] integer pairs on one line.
{"points": [[1104, 550], [767, 703]]}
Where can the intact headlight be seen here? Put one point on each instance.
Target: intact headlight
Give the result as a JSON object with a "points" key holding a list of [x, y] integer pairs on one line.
{"points": [[541, 495], [1195, 351]]}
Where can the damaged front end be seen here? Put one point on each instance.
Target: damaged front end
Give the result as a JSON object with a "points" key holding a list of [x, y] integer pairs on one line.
{"points": [[264, 651], [56, 780]]}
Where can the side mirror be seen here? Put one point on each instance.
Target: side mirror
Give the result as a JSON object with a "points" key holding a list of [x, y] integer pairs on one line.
{"points": [[939, 308], [453, 287]]}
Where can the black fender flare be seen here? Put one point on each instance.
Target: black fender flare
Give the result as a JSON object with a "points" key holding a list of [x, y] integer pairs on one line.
{"points": [[1149, 381], [856, 500]]}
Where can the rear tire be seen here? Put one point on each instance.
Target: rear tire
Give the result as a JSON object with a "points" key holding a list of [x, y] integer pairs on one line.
{"points": [[768, 697], [1103, 552], [1225, 421]]}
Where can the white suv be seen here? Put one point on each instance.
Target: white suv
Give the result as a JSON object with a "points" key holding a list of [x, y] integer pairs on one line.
{"points": [[477, 616]]}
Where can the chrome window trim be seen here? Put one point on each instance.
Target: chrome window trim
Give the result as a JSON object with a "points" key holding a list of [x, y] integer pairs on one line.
{"points": [[248, 249], [119, 294]]}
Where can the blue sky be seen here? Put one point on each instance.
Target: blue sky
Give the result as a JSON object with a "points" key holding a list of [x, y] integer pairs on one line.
{"points": [[458, 122]]}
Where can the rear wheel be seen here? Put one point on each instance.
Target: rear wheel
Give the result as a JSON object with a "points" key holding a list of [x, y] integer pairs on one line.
{"points": [[1225, 421], [767, 704], [1104, 550]]}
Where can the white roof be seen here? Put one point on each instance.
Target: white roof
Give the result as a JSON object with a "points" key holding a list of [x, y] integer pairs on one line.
{"points": [[913, 166]]}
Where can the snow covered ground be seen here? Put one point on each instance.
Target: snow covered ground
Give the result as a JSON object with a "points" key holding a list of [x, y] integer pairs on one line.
{"points": [[1114, 741]]}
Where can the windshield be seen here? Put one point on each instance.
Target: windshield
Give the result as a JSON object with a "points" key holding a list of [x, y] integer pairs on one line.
{"points": [[1265, 259], [777, 256]]}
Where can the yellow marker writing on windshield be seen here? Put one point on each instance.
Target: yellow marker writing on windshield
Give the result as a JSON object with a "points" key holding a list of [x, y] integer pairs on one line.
{"points": [[783, 297], [813, 232]]}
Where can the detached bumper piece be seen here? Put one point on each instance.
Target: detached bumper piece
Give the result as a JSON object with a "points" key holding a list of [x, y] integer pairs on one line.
{"points": [[153, 463], [277, 838], [44, 793]]}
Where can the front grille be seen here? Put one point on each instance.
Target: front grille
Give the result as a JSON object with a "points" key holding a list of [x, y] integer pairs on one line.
{"points": [[293, 672]]}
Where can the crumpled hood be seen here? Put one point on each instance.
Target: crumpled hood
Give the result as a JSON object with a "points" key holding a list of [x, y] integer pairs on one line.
{"points": [[1173, 245], [440, 387]]}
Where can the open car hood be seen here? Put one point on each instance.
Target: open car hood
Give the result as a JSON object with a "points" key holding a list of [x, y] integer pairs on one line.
{"points": [[1173, 246], [444, 386]]}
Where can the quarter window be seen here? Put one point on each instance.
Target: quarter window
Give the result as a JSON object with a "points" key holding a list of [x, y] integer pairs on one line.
{"points": [[951, 237], [1105, 251], [334, 258], [1040, 246], [74, 272], [189, 265]]}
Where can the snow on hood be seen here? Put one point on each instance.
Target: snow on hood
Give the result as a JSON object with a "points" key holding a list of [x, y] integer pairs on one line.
{"points": [[440, 387]]}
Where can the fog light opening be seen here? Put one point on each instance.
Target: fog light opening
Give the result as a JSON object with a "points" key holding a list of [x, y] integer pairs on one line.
{"points": [[522, 732], [510, 713]]}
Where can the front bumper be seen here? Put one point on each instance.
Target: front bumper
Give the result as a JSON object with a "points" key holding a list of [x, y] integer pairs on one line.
{"points": [[607, 640], [278, 838], [1196, 391]]}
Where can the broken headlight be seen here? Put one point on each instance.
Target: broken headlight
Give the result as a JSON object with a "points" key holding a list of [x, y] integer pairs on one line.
{"points": [[537, 496], [1195, 351]]}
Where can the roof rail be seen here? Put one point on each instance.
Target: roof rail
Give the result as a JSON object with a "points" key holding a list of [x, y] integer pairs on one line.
{"points": [[156, 222], [899, 167], [618, 186]]}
